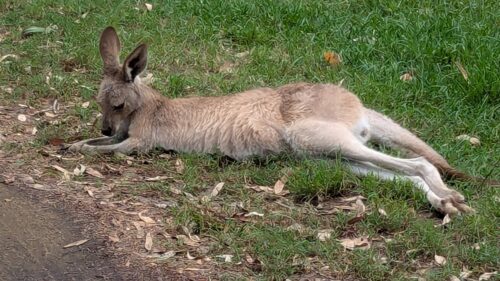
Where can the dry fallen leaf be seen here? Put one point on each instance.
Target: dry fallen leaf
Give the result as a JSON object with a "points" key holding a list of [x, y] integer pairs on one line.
{"points": [[56, 141], [78, 171], [454, 278], [332, 58], [324, 234], [446, 220], [181, 270], [440, 260], [114, 238], [94, 173], [226, 258], [175, 190], [406, 77], [189, 257], [191, 240], [146, 219], [179, 166], [296, 227], [55, 103], [356, 219], [35, 29], [465, 273], [21, 117], [13, 56], [38, 186], [254, 214], [249, 259], [217, 189], [158, 178], [278, 187], [77, 243], [382, 212], [162, 257], [140, 231], [360, 207], [26, 179], [356, 243], [148, 243], [227, 67], [66, 173], [149, 7], [487, 275], [260, 188], [341, 82], [85, 104], [89, 191], [242, 54], [472, 140], [462, 70], [8, 90], [50, 115], [353, 199]]}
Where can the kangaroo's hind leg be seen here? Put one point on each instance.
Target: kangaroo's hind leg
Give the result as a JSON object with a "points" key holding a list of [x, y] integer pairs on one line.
{"points": [[386, 131], [365, 168], [326, 138]]}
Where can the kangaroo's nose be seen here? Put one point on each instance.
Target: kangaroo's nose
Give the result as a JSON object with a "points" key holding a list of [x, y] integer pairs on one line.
{"points": [[106, 131]]}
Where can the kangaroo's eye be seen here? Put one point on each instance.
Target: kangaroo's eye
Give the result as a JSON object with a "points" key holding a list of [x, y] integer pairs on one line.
{"points": [[118, 107]]}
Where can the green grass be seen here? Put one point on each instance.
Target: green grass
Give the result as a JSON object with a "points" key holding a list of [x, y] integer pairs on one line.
{"points": [[285, 40]]}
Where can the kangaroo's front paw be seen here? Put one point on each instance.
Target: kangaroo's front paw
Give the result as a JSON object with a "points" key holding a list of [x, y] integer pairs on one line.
{"points": [[87, 148], [76, 147]]}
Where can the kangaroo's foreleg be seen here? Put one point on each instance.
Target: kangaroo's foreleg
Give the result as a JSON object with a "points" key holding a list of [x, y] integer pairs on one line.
{"points": [[106, 145], [95, 141]]}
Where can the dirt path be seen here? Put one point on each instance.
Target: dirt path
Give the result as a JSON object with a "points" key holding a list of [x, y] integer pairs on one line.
{"points": [[35, 226], [32, 236]]}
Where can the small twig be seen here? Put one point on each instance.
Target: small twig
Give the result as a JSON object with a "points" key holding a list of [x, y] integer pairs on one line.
{"points": [[48, 109], [283, 205], [325, 276]]}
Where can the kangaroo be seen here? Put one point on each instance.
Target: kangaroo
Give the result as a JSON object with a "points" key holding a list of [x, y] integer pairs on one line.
{"points": [[305, 119]]}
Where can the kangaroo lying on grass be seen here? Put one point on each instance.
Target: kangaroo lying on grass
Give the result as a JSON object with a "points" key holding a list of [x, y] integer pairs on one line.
{"points": [[318, 120]]}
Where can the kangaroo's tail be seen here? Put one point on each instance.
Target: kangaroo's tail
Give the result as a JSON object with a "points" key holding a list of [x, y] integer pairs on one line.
{"points": [[386, 131]]}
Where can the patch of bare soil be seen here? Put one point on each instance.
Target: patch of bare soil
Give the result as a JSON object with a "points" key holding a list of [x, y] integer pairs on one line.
{"points": [[37, 242], [32, 238]]}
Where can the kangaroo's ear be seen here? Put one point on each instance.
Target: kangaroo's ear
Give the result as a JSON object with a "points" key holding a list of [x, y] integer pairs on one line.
{"points": [[109, 46], [135, 63]]}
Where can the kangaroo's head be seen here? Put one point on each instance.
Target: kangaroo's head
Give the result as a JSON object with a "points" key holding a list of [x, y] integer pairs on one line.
{"points": [[119, 95]]}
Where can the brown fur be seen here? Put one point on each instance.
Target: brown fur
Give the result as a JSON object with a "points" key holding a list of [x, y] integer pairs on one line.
{"points": [[303, 118]]}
